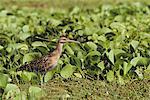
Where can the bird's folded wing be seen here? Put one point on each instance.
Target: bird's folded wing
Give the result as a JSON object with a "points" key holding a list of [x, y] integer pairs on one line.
{"points": [[39, 66]]}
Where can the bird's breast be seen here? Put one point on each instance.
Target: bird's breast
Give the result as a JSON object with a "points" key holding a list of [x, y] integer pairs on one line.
{"points": [[52, 62]]}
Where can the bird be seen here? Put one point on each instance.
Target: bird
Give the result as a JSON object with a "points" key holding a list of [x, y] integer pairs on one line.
{"points": [[47, 62]]}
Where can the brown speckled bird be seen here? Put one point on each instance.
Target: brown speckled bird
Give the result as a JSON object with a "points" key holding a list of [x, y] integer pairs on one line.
{"points": [[47, 62]]}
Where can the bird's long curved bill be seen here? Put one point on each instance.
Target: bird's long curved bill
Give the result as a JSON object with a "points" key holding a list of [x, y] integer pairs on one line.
{"points": [[73, 41]]}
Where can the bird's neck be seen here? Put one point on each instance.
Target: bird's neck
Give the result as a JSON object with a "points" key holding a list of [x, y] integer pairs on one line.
{"points": [[59, 48]]}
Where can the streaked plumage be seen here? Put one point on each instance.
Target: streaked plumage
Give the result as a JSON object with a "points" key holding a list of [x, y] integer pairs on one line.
{"points": [[47, 62]]}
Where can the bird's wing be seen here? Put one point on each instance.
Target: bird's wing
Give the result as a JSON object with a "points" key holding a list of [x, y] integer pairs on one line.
{"points": [[42, 64], [47, 62]]}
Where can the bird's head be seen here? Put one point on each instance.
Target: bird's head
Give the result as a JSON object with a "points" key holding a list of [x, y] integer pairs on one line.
{"points": [[64, 40]]}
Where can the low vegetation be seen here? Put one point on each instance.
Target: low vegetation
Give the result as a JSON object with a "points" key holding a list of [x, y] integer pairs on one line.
{"points": [[114, 51]]}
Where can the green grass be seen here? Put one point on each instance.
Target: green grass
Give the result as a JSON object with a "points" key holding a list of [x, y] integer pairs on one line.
{"points": [[85, 89], [88, 89]]}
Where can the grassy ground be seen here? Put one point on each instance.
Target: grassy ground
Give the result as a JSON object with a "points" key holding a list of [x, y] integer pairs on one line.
{"points": [[77, 89], [97, 90], [84, 88]]}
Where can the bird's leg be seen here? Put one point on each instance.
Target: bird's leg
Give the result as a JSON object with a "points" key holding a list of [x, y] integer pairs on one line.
{"points": [[16, 75], [41, 80], [80, 69], [16, 79]]}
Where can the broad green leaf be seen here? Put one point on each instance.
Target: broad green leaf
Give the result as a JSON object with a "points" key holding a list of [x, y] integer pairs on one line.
{"points": [[27, 76], [34, 90], [22, 46], [147, 72], [139, 73], [143, 61], [3, 80], [120, 78], [117, 25], [55, 22], [78, 75], [148, 52], [92, 45], [21, 96], [75, 10], [102, 38], [35, 93], [25, 28], [40, 29], [10, 87], [30, 56], [89, 30], [106, 30], [92, 53], [3, 13], [24, 36], [111, 56], [1, 67], [67, 71], [1, 47], [139, 61], [110, 76], [119, 18], [118, 51], [12, 91], [126, 67], [134, 44], [93, 56], [9, 48], [75, 61], [75, 46], [38, 43], [94, 36], [80, 55], [69, 50], [49, 75], [148, 68], [101, 65], [134, 61], [17, 57], [145, 43]]}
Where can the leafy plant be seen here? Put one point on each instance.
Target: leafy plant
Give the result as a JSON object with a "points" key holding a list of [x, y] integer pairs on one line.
{"points": [[115, 43]]}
